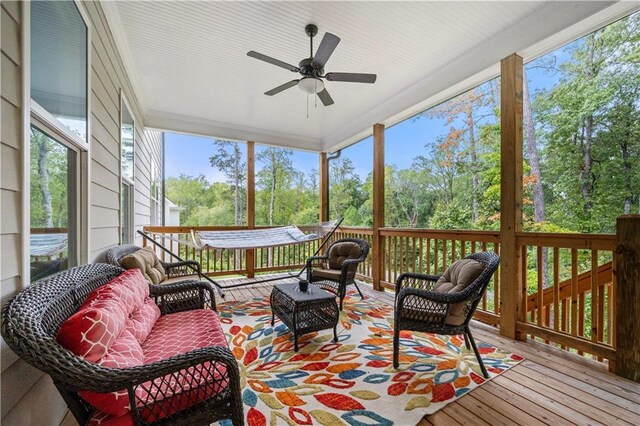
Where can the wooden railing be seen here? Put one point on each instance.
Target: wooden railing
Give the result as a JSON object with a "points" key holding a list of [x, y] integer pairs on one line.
{"points": [[568, 283], [572, 308]]}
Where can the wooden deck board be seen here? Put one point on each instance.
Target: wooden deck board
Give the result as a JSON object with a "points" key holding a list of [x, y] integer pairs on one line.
{"points": [[550, 387]]}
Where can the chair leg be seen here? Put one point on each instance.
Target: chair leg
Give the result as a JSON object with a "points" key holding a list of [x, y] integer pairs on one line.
{"points": [[396, 345], [466, 341], [475, 349], [358, 288]]}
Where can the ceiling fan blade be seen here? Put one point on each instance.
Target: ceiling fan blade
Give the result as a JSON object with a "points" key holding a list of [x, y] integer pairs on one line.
{"points": [[351, 77], [325, 98], [327, 46], [281, 88], [273, 61]]}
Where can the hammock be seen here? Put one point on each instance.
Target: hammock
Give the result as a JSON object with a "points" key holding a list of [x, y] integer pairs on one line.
{"points": [[253, 238], [248, 239]]}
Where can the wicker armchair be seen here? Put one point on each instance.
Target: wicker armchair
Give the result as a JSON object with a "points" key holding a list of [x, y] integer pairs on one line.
{"points": [[32, 318], [336, 276], [174, 269], [419, 308]]}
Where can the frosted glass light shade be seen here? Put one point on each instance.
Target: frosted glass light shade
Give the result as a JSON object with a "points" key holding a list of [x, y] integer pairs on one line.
{"points": [[311, 85]]}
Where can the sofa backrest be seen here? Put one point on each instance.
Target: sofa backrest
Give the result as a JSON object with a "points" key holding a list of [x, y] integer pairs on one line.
{"points": [[31, 319]]}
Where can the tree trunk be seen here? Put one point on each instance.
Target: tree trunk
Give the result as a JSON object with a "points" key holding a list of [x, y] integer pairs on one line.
{"points": [[586, 180], [532, 151], [272, 199], [474, 169], [43, 153], [236, 183]]}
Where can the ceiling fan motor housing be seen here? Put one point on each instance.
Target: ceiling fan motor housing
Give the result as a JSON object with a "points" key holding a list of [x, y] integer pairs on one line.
{"points": [[307, 70]]}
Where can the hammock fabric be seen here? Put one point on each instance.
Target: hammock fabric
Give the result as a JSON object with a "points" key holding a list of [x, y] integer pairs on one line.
{"points": [[253, 238]]}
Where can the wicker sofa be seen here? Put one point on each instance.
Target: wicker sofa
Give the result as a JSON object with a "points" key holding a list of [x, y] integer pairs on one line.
{"points": [[189, 383]]}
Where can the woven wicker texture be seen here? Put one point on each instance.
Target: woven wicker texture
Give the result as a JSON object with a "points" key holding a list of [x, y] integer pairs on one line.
{"points": [[347, 271], [32, 318], [419, 308], [314, 311]]}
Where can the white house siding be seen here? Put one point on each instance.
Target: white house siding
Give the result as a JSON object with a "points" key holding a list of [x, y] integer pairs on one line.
{"points": [[32, 399]]}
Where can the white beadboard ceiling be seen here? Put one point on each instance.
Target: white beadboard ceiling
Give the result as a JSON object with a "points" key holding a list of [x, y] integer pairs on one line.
{"points": [[189, 63]]}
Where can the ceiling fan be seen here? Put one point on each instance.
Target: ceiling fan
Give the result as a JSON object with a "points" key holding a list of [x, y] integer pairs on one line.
{"points": [[312, 68]]}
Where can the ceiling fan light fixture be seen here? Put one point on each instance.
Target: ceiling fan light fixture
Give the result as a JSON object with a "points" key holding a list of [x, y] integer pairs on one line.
{"points": [[311, 85]]}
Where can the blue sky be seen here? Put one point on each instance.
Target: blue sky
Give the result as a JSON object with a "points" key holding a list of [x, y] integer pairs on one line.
{"points": [[403, 142]]}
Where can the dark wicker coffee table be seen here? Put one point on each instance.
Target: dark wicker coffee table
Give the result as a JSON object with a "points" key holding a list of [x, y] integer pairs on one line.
{"points": [[303, 313]]}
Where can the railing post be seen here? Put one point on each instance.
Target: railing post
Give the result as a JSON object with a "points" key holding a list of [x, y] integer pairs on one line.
{"points": [[377, 252], [250, 260], [324, 188], [627, 302], [511, 289]]}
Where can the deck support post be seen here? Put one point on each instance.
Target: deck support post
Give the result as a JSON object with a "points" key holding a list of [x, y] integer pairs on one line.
{"points": [[511, 288], [377, 252], [250, 260], [627, 303], [323, 167]]}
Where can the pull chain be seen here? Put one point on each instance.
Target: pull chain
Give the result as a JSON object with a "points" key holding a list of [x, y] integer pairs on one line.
{"points": [[307, 105], [315, 93]]}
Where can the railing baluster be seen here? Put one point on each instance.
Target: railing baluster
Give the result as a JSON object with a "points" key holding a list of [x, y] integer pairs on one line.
{"points": [[574, 292], [556, 288], [595, 303], [540, 288]]}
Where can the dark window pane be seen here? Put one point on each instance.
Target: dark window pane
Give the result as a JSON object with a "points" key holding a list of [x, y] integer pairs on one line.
{"points": [[59, 62]]}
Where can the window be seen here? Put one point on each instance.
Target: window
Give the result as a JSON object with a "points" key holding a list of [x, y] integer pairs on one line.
{"points": [[351, 185], [59, 63], [442, 166], [127, 142], [582, 132], [286, 186], [58, 159], [53, 205]]}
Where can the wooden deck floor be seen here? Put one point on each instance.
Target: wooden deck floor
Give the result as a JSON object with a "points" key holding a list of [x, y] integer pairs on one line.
{"points": [[550, 387]]}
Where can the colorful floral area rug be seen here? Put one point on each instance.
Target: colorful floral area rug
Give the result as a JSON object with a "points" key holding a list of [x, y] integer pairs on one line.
{"points": [[351, 382]]}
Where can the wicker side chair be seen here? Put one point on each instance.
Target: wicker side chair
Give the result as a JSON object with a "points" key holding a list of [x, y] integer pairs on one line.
{"points": [[174, 269], [32, 318], [419, 308], [340, 266]]}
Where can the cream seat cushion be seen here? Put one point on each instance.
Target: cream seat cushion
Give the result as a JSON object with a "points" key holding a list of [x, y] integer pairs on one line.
{"points": [[455, 279], [146, 260]]}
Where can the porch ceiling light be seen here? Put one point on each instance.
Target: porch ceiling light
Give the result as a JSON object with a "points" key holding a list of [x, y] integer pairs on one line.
{"points": [[311, 85]]}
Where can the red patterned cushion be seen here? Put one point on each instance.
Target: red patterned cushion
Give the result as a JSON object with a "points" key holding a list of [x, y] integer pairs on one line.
{"points": [[100, 418], [183, 332], [142, 320], [91, 331], [130, 285], [175, 334], [125, 352]]}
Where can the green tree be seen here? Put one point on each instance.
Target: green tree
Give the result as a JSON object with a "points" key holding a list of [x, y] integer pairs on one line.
{"points": [[228, 159]]}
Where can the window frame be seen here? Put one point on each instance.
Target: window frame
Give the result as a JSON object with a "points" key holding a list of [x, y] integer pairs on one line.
{"points": [[124, 103], [35, 114]]}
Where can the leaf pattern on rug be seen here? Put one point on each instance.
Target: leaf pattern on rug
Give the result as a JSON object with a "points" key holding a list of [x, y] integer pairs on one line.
{"points": [[351, 382]]}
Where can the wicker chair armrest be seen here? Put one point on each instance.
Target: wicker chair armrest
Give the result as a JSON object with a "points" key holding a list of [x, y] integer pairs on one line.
{"points": [[312, 259], [188, 267], [170, 295], [434, 296], [344, 269], [410, 279]]}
